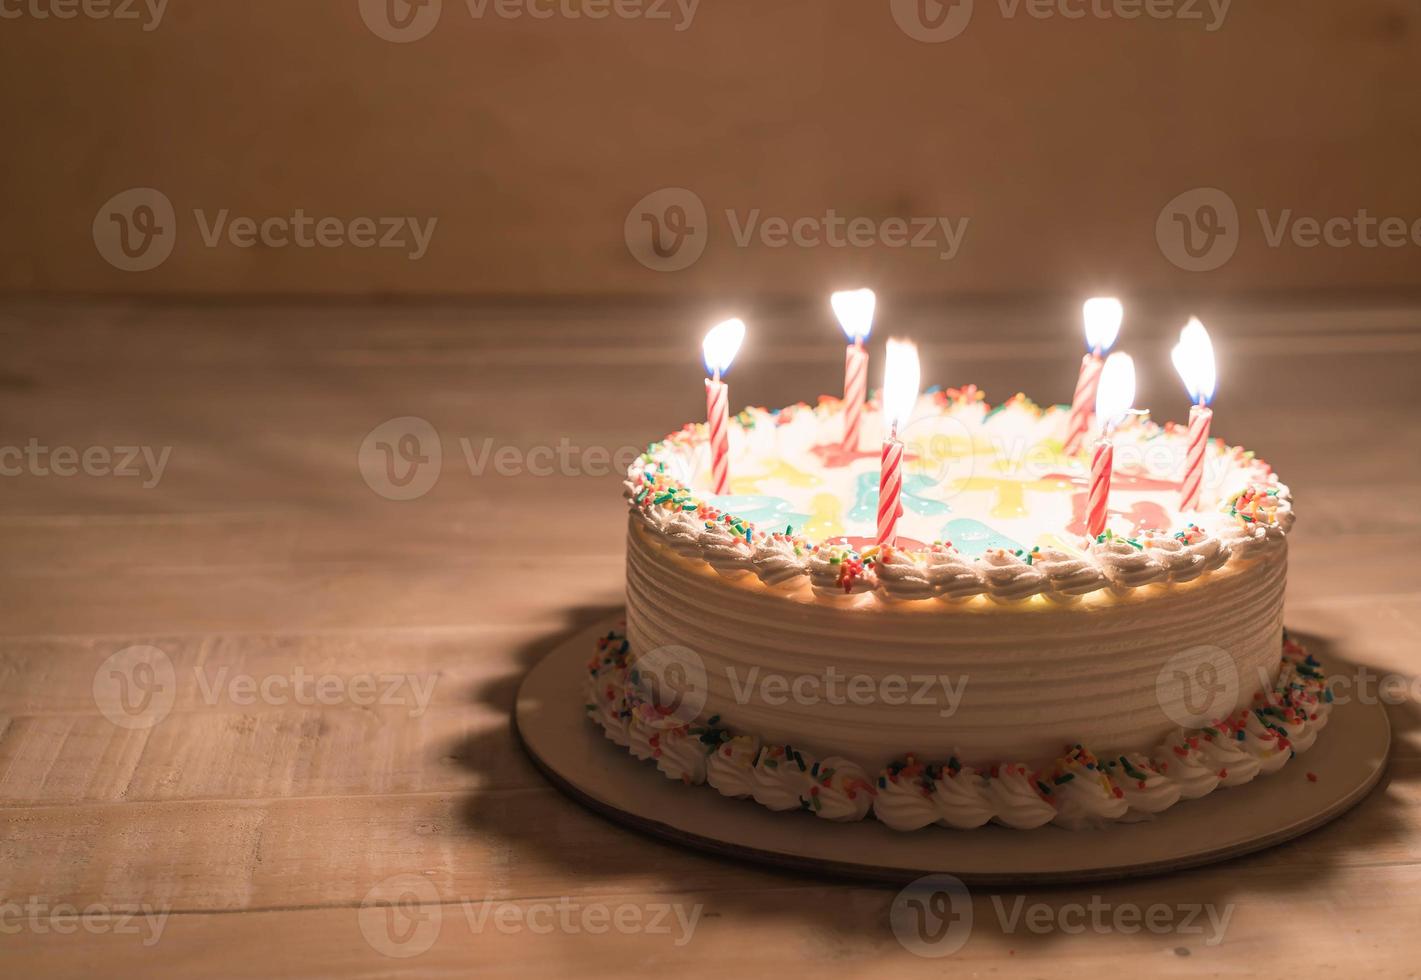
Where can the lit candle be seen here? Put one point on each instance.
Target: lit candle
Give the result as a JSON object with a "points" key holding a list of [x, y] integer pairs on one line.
{"points": [[1193, 358], [1102, 326], [900, 392], [1116, 395], [854, 308], [719, 347]]}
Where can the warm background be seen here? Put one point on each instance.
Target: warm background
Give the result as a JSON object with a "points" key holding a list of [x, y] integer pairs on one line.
{"points": [[264, 376], [530, 140]]}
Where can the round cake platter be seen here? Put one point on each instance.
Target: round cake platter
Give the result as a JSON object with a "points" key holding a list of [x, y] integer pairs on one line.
{"points": [[1344, 764]]}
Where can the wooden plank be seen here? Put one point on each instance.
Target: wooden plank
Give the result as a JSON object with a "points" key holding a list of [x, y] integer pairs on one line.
{"points": [[1337, 923], [253, 855], [333, 596], [287, 753], [256, 716], [437, 533]]}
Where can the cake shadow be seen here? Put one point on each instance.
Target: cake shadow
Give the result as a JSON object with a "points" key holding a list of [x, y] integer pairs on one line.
{"points": [[552, 836]]}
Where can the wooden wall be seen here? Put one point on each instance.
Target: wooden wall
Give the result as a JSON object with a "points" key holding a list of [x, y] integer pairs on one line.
{"points": [[531, 140]]}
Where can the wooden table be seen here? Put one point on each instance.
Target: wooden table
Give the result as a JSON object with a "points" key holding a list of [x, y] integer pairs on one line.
{"points": [[250, 819]]}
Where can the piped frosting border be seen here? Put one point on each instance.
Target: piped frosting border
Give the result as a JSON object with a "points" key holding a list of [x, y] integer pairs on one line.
{"points": [[1080, 790]]}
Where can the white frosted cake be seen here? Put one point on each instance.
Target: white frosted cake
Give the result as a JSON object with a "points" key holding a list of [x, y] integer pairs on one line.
{"points": [[995, 663]]}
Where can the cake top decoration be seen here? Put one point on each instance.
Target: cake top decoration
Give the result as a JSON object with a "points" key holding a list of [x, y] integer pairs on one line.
{"points": [[985, 491]]}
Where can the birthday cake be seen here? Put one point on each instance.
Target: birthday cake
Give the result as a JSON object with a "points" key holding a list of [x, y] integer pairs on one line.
{"points": [[996, 663]]}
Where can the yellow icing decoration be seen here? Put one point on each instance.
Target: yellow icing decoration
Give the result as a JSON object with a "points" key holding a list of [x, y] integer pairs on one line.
{"points": [[1010, 499], [777, 470], [1049, 540], [825, 517]]}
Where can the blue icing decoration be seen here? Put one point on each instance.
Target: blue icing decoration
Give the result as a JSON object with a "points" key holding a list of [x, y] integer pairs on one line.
{"points": [[916, 502], [865, 507], [975, 538], [768, 513]]}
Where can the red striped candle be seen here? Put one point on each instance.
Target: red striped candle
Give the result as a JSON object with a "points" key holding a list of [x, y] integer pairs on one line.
{"points": [[1193, 358], [719, 348], [901, 383], [890, 490], [855, 391], [718, 421], [1083, 404], [1102, 316], [1101, 468], [1191, 490], [1113, 401], [854, 308]]}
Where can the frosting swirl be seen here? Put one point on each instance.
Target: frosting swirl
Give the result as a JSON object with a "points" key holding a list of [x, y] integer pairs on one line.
{"points": [[778, 778], [1127, 566], [1070, 576], [905, 797], [1179, 562], [1010, 579], [901, 576], [1145, 789], [1222, 752], [641, 738], [951, 576], [1085, 797], [837, 572], [683, 534], [606, 700], [1269, 747], [838, 790], [960, 797], [1183, 763], [777, 561], [726, 552], [730, 767], [1016, 800], [681, 755]]}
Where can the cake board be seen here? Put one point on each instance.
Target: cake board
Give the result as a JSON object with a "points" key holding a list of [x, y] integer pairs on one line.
{"points": [[1347, 761]]}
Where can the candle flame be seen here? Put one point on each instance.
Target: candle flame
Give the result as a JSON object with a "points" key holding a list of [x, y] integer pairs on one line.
{"points": [[1117, 390], [721, 345], [1102, 322], [854, 308], [1193, 358], [901, 379]]}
